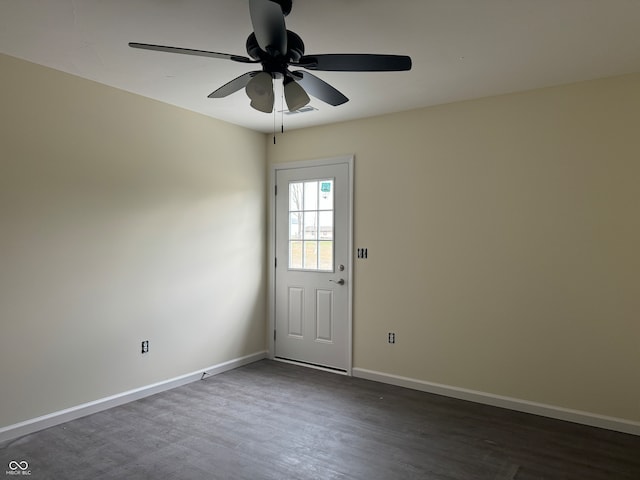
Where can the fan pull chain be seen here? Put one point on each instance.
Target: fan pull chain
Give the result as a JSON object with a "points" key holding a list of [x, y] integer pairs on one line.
{"points": [[274, 126]]}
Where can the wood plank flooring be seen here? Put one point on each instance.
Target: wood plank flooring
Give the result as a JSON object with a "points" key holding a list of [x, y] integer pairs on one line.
{"points": [[272, 420]]}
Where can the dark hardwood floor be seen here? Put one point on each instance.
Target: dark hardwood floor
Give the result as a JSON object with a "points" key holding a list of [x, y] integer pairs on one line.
{"points": [[272, 420]]}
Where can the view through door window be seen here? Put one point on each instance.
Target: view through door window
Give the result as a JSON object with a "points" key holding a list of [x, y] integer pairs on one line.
{"points": [[311, 225]]}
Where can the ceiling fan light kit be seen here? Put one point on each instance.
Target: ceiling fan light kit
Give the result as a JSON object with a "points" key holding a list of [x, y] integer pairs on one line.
{"points": [[260, 91], [277, 49], [294, 95]]}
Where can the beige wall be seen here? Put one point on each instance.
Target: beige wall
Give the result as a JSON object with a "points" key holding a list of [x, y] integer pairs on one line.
{"points": [[121, 219], [504, 242]]}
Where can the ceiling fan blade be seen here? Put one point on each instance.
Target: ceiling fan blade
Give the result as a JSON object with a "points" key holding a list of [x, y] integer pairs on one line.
{"points": [[267, 19], [190, 51], [233, 86], [319, 88], [356, 62]]}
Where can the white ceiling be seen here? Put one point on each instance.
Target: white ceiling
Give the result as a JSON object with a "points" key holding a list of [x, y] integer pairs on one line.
{"points": [[461, 49]]}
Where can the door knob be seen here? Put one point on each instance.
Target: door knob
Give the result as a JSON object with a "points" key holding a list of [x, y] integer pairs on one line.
{"points": [[339, 282]]}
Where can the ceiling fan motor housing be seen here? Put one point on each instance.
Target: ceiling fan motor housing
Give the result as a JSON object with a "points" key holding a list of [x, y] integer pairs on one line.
{"points": [[295, 50]]}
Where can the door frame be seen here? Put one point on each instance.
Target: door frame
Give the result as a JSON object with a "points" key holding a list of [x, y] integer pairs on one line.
{"points": [[271, 247]]}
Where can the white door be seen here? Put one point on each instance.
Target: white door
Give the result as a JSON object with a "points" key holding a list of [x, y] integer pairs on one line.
{"points": [[313, 264]]}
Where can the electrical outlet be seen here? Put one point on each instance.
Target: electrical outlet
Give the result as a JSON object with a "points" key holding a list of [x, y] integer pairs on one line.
{"points": [[145, 346], [392, 337]]}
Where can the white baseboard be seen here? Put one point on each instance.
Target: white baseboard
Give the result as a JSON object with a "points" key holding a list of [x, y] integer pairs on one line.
{"points": [[56, 418], [559, 413]]}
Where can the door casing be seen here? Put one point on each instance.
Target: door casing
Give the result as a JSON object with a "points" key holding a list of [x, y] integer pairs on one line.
{"points": [[271, 246]]}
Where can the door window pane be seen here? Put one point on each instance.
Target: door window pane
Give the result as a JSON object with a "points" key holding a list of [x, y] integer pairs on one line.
{"points": [[325, 256], [325, 225], [295, 254], [295, 197], [310, 196], [311, 225], [295, 226], [325, 199], [311, 255]]}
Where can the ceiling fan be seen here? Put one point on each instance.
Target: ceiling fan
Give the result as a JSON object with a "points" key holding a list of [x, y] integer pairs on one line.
{"points": [[277, 49]]}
